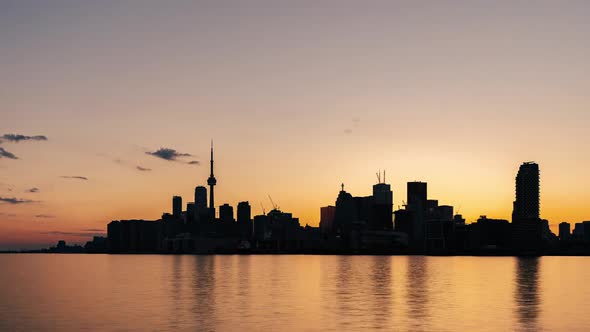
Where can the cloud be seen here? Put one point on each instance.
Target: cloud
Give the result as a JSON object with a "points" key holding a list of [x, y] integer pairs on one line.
{"points": [[143, 169], [348, 131], [17, 138], [93, 230], [32, 190], [81, 233], [6, 154], [47, 216], [74, 177], [194, 162], [168, 154], [14, 200], [7, 214]]}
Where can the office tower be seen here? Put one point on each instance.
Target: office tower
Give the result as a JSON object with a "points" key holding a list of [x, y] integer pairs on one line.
{"points": [[226, 212], [244, 212], [417, 196], [200, 197], [244, 216], [190, 213], [381, 212], [526, 205], [327, 215], [176, 206], [564, 231], [211, 181]]}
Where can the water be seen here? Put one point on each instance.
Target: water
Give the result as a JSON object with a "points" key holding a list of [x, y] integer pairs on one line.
{"points": [[292, 293]]}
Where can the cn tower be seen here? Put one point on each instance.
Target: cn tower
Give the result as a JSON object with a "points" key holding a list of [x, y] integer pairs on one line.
{"points": [[211, 182]]}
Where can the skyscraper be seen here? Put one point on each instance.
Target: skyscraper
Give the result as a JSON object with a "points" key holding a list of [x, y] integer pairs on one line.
{"points": [[244, 213], [212, 182], [226, 212], [417, 196], [200, 197], [176, 206], [381, 215], [526, 205]]}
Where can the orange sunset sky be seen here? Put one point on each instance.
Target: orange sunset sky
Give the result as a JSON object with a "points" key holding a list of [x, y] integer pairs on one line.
{"points": [[298, 97]]}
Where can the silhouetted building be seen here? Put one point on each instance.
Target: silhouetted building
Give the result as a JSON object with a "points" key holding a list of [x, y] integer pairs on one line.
{"points": [[564, 231], [176, 206], [527, 230], [381, 209], [226, 213], [417, 196], [245, 220], [129, 236], [327, 216], [490, 236], [201, 197], [526, 205]]}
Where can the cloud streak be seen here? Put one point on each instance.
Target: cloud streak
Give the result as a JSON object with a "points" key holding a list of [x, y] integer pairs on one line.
{"points": [[15, 200], [17, 138], [168, 154], [75, 177], [143, 169], [194, 162], [44, 216], [32, 190], [82, 233], [6, 154]]}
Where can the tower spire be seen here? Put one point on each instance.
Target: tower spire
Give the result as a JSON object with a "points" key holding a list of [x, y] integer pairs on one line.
{"points": [[212, 182]]}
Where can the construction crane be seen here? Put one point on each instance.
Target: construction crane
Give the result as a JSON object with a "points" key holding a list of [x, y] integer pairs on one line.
{"points": [[263, 210], [274, 206]]}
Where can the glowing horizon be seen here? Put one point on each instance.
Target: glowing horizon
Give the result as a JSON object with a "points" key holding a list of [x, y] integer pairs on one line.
{"points": [[298, 98]]}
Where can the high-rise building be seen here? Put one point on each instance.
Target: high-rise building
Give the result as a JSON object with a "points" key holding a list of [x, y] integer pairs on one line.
{"points": [[244, 218], [226, 212], [526, 205], [211, 181], [244, 212], [564, 231], [176, 206], [381, 213], [327, 215], [527, 229], [417, 196], [200, 197]]}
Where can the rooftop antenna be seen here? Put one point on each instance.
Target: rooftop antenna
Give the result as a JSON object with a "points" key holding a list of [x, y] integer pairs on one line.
{"points": [[378, 176], [342, 185]]}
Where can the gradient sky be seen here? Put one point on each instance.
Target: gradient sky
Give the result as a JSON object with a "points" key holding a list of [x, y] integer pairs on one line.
{"points": [[298, 96]]}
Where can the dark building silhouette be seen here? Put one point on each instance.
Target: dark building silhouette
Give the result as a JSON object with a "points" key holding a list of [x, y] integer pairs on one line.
{"points": [[176, 206], [417, 196], [564, 231], [200, 197], [211, 181], [327, 215], [526, 205], [226, 213], [490, 236], [244, 219], [381, 211], [527, 230]]}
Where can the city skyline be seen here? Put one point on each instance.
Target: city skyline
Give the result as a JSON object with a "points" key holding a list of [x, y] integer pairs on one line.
{"points": [[117, 116]]}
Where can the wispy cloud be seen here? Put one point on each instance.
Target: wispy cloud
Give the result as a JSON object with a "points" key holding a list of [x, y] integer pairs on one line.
{"points": [[32, 190], [143, 169], [168, 154], [45, 216], [6, 154], [348, 131], [7, 214], [75, 177], [15, 201], [17, 138], [81, 233], [194, 162]]}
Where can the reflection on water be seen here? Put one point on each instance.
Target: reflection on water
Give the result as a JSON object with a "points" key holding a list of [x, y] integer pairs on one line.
{"points": [[292, 293], [527, 293], [417, 290]]}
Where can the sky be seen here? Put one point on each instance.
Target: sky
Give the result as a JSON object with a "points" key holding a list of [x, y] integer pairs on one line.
{"points": [[298, 96]]}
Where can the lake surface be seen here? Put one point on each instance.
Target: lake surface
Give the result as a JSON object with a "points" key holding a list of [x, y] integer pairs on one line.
{"points": [[292, 293]]}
